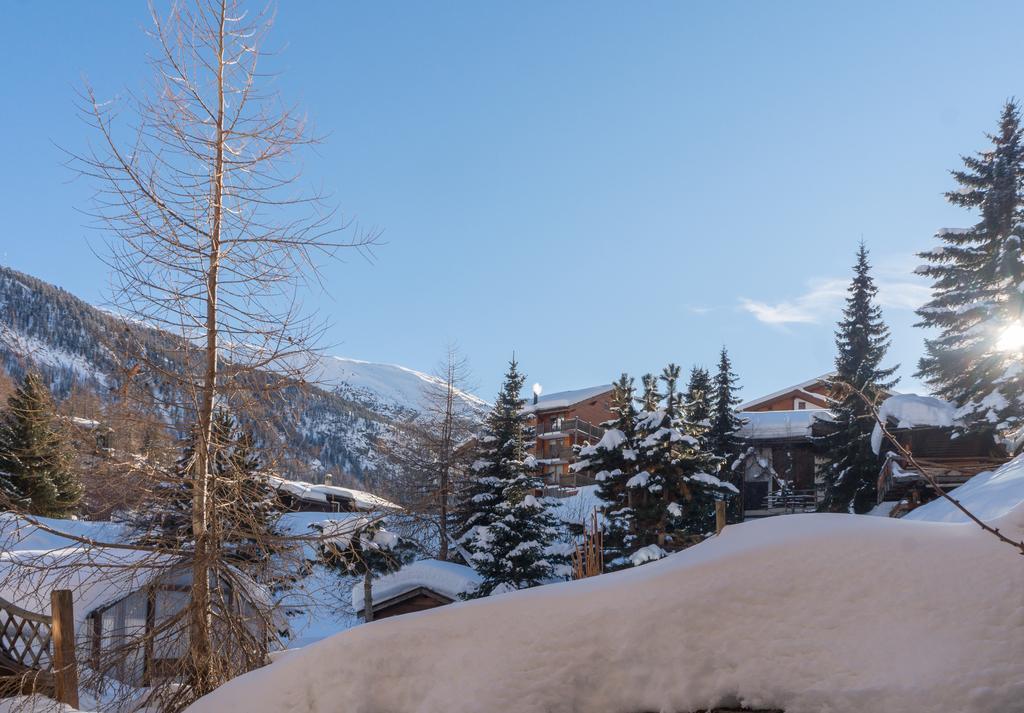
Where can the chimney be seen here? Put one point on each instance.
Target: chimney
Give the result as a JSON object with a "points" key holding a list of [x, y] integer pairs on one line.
{"points": [[328, 478], [536, 393], [535, 397]]}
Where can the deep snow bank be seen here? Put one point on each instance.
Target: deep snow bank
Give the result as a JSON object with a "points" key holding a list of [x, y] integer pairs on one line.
{"points": [[809, 613]]}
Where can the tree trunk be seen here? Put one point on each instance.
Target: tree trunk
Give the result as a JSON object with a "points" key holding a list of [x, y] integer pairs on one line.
{"points": [[201, 649], [368, 596]]}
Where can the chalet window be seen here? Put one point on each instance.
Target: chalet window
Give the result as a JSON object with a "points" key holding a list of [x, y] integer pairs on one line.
{"points": [[801, 405]]}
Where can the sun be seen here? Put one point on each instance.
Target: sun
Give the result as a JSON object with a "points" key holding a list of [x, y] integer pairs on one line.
{"points": [[1011, 339]]}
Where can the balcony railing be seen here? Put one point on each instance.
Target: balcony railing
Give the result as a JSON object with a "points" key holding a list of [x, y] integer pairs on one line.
{"points": [[575, 427]]}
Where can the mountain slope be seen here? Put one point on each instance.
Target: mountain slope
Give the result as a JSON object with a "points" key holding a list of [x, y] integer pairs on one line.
{"points": [[394, 390], [333, 427]]}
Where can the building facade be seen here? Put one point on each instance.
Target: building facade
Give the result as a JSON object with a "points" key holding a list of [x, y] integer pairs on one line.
{"points": [[563, 420]]}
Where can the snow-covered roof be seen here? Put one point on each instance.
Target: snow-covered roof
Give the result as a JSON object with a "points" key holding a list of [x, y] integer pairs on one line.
{"points": [[36, 561], [319, 492], [601, 644], [802, 386], [912, 411], [781, 424], [565, 399], [448, 579]]}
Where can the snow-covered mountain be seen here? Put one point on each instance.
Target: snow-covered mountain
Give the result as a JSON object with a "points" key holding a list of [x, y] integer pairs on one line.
{"points": [[337, 424], [392, 389]]}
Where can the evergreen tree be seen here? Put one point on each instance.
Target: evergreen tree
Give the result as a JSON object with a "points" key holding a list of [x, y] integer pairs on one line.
{"points": [[673, 493], [861, 343], [976, 300], [363, 547], [725, 422], [698, 401], [244, 506], [35, 459], [510, 531], [612, 461]]}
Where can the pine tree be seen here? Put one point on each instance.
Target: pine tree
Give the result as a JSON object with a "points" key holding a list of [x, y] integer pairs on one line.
{"points": [[363, 547], [245, 505], [612, 462], [861, 343], [673, 493], [698, 401], [35, 459], [725, 422], [722, 438], [976, 302], [510, 531]]}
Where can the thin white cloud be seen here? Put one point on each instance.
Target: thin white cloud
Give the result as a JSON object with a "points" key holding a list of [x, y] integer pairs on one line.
{"points": [[823, 298]]}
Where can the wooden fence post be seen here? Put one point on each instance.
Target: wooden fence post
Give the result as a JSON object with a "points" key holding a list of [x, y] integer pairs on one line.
{"points": [[65, 667], [719, 516]]}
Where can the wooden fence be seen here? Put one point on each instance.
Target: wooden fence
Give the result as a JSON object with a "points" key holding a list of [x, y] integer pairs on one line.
{"points": [[37, 651]]}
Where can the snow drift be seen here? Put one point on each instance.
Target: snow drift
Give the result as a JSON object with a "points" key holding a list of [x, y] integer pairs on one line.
{"points": [[809, 613]]}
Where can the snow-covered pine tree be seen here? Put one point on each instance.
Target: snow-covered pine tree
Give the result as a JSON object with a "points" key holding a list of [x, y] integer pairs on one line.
{"points": [[612, 461], [501, 449], [862, 339], [976, 300], [512, 536], [363, 547], [35, 458], [673, 493]]}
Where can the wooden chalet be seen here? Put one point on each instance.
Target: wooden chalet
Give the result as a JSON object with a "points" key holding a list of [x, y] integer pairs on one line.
{"points": [[425, 584], [778, 465], [941, 454], [563, 420]]}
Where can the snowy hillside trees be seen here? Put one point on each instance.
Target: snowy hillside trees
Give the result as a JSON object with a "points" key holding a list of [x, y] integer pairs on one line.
{"points": [[862, 340], [35, 458], [507, 527], [977, 303]]}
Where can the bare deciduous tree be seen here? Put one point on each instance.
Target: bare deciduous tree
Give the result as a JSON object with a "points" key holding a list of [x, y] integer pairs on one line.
{"points": [[430, 451], [212, 241]]}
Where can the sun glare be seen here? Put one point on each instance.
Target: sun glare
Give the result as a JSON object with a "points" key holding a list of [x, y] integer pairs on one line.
{"points": [[1012, 338]]}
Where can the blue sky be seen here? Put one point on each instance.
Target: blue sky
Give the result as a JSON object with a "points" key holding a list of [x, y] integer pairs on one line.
{"points": [[599, 186]]}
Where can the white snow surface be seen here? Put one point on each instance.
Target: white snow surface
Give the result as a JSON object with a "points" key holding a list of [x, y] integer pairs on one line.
{"points": [[807, 613], [991, 496], [781, 424], [911, 411], [446, 578]]}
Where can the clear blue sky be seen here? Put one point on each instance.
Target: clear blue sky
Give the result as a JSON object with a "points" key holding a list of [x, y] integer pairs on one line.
{"points": [[599, 186]]}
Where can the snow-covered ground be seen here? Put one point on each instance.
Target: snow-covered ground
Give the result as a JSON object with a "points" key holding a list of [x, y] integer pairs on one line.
{"points": [[808, 613], [989, 495]]}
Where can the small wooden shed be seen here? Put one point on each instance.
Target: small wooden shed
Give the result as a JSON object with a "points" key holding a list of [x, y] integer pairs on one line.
{"points": [[422, 585]]}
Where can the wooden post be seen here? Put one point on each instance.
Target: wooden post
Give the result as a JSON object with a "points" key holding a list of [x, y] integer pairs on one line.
{"points": [[65, 668], [719, 516]]}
